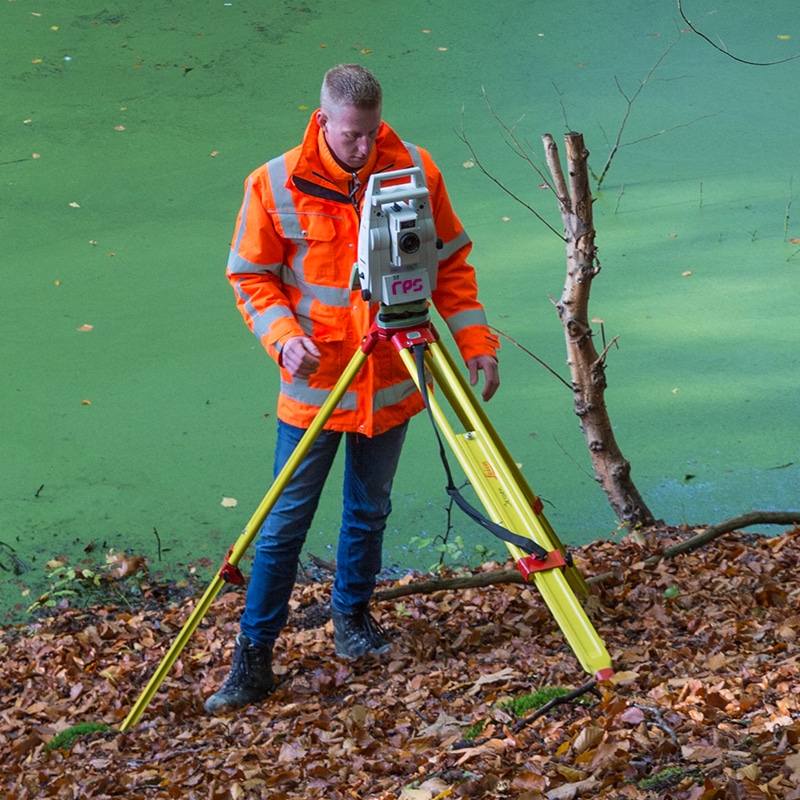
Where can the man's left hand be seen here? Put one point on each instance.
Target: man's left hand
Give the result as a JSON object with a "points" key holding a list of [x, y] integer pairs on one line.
{"points": [[487, 365]]}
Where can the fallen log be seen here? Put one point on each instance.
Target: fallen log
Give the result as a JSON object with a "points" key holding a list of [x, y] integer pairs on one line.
{"points": [[506, 576]]}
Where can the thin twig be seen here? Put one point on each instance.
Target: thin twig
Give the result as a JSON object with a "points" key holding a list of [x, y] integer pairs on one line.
{"points": [[725, 51], [659, 721], [532, 355], [629, 105], [602, 357], [158, 541], [499, 183], [556, 701], [669, 130]]}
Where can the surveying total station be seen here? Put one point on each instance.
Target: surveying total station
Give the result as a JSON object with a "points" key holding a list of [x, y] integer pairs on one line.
{"points": [[397, 269]]}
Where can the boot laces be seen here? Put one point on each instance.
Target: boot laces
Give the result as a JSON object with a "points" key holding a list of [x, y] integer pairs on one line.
{"points": [[366, 627], [244, 666]]}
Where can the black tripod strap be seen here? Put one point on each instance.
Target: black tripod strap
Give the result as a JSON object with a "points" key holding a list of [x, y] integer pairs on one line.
{"points": [[528, 545]]}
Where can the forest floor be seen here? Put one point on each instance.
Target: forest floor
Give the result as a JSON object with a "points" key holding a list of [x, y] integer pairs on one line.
{"points": [[704, 702]]}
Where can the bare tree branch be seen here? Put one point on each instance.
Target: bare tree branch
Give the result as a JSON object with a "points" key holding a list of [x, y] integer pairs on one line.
{"points": [[629, 105], [500, 577], [724, 50], [532, 355], [499, 183]]}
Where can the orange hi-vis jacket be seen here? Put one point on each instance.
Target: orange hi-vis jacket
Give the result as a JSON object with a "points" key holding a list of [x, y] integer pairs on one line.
{"points": [[290, 265]]}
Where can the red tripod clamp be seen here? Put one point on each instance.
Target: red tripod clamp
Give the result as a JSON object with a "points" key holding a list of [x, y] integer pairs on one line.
{"points": [[231, 573], [530, 564]]}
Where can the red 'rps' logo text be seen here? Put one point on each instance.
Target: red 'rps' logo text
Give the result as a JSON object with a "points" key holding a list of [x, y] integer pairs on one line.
{"points": [[408, 286]]}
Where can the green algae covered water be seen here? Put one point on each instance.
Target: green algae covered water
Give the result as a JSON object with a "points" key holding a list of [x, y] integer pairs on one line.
{"points": [[138, 411]]}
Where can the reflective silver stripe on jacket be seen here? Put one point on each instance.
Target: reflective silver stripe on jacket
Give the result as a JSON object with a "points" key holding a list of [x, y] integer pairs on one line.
{"points": [[416, 158], [463, 319], [300, 391], [391, 395], [294, 274]]}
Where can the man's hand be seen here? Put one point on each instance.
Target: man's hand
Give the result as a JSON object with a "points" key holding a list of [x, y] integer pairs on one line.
{"points": [[300, 356], [488, 365]]}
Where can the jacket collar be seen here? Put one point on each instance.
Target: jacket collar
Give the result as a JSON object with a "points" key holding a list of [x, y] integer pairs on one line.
{"points": [[317, 173]]}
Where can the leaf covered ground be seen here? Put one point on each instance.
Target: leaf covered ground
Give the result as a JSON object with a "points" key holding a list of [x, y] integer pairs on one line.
{"points": [[704, 703]]}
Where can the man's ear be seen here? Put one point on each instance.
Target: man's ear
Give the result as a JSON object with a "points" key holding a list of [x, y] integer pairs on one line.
{"points": [[322, 119]]}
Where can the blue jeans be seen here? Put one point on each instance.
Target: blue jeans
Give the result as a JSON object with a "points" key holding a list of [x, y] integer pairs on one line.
{"points": [[370, 465]]}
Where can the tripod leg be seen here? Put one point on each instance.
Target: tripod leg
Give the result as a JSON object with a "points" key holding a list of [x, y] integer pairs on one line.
{"points": [[230, 570], [471, 414], [506, 503]]}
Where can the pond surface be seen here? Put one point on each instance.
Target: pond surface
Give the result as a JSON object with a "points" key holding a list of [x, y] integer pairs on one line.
{"points": [[134, 399]]}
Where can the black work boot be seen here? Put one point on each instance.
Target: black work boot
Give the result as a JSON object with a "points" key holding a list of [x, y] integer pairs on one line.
{"points": [[250, 679], [357, 634]]}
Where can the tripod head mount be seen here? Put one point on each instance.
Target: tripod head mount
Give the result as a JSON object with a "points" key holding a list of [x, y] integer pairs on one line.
{"points": [[397, 245]]}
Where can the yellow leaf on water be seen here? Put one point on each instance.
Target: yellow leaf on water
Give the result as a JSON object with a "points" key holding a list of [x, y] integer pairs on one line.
{"points": [[84, 328], [229, 502], [86, 402], [468, 164], [73, 204], [687, 273], [784, 36]]}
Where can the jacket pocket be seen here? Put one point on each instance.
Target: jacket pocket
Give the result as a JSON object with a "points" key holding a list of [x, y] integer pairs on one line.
{"points": [[316, 240]]}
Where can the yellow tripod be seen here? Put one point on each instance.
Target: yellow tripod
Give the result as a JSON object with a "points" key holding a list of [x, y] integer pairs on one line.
{"points": [[515, 512]]}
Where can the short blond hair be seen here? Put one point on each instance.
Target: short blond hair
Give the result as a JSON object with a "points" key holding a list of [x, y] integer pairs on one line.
{"points": [[350, 85]]}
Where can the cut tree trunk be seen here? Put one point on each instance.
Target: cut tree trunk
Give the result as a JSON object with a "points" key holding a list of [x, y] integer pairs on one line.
{"points": [[587, 367]]}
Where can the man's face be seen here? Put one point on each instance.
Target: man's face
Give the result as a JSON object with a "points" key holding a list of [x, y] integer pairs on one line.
{"points": [[350, 133]]}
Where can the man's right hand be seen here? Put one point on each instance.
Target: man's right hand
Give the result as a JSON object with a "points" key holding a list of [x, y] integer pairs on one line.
{"points": [[300, 357]]}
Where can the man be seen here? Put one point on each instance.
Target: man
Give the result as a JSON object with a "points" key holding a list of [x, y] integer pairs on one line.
{"points": [[290, 264]]}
